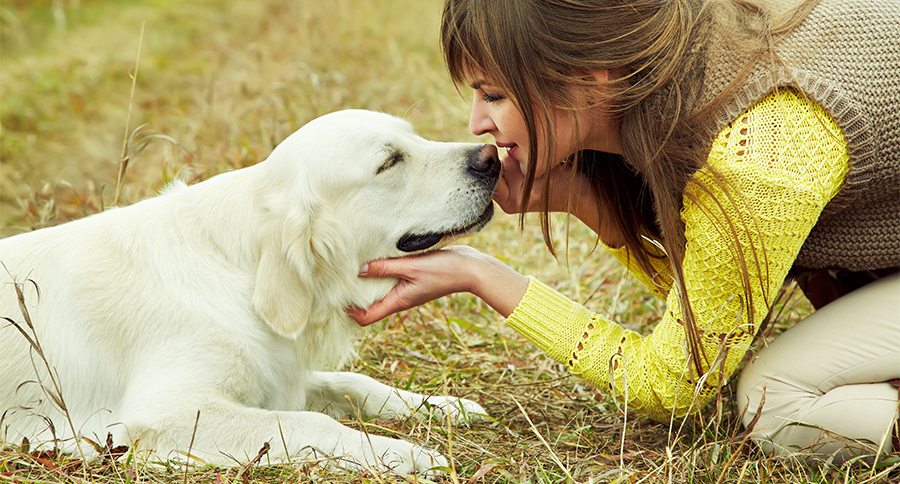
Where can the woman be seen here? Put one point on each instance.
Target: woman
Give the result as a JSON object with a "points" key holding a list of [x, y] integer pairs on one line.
{"points": [[717, 148]]}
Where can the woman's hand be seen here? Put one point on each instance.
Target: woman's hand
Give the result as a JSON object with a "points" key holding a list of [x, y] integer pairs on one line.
{"points": [[429, 276]]}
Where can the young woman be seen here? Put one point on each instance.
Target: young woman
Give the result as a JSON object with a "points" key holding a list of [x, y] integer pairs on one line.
{"points": [[717, 148]]}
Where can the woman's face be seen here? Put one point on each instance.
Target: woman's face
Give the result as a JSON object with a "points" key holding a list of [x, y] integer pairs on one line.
{"points": [[495, 114]]}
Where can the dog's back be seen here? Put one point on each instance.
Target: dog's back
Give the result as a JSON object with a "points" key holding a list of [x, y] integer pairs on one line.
{"points": [[40, 332], [97, 297]]}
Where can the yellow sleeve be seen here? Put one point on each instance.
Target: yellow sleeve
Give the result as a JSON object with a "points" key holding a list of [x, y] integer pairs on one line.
{"points": [[783, 159], [659, 283]]}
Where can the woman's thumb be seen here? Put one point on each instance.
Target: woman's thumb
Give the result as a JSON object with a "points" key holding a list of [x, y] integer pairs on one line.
{"points": [[390, 304]]}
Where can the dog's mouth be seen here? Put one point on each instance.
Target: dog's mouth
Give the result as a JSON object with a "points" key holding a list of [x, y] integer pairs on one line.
{"points": [[417, 242]]}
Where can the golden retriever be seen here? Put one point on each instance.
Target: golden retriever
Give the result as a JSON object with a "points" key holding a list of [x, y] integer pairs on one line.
{"points": [[228, 298]]}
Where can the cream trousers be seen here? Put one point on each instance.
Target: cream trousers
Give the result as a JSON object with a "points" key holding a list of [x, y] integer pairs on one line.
{"points": [[824, 380]]}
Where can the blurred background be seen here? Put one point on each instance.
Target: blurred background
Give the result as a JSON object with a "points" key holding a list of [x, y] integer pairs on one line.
{"points": [[218, 84]]}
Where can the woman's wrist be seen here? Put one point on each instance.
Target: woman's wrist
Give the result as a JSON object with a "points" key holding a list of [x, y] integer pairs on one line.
{"points": [[497, 284]]}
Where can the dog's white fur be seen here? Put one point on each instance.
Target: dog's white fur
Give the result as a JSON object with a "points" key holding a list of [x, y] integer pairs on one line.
{"points": [[227, 297]]}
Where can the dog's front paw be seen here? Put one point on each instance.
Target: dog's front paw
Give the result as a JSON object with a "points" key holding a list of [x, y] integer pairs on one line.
{"points": [[461, 410], [392, 455], [405, 458]]}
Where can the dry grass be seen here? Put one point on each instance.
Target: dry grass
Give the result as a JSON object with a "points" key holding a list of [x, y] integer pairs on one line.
{"points": [[220, 83]]}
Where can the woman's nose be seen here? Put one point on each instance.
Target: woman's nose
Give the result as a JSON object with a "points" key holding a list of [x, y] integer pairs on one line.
{"points": [[479, 122]]}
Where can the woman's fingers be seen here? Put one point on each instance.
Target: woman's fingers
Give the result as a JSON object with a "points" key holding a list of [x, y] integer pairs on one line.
{"points": [[422, 278], [377, 311], [398, 268], [404, 295], [359, 315], [400, 298]]}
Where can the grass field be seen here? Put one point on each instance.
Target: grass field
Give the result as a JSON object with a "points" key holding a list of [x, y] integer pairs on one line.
{"points": [[218, 84]]}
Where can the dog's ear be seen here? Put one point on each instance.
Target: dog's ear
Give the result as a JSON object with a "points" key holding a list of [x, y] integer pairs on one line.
{"points": [[282, 295], [296, 260]]}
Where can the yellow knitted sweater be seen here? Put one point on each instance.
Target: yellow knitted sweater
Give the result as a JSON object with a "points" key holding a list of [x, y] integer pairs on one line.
{"points": [[786, 158]]}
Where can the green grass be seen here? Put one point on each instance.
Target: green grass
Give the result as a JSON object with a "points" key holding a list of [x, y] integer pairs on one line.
{"points": [[226, 81]]}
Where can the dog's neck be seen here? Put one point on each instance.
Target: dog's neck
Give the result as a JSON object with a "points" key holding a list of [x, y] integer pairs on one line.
{"points": [[226, 230]]}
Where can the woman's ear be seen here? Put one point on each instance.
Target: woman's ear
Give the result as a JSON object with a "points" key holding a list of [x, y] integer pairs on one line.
{"points": [[597, 90], [282, 295], [601, 78]]}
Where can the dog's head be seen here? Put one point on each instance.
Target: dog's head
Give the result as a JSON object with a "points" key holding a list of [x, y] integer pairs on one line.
{"points": [[353, 186]]}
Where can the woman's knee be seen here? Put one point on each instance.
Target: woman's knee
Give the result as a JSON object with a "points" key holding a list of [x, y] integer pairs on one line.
{"points": [[755, 389], [786, 419], [765, 401]]}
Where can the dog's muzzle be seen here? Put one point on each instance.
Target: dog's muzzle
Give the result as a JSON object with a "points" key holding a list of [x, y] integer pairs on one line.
{"points": [[482, 165]]}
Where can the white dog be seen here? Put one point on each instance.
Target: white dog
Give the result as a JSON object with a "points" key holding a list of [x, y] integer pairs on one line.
{"points": [[228, 298]]}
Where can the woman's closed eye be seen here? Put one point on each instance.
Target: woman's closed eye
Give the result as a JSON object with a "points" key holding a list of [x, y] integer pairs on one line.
{"points": [[491, 97]]}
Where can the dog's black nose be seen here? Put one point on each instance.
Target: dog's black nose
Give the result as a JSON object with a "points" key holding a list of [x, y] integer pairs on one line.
{"points": [[484, 162]]}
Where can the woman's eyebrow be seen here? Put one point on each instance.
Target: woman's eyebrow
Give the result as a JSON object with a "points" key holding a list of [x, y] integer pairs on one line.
{"points": [[477, 84]]}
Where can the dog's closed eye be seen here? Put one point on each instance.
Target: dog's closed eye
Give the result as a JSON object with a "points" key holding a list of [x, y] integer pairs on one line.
{"points": [[394, 156]]}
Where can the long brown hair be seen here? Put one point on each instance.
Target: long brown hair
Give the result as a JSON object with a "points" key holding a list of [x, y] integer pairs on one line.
{"points": [[541, 53]]}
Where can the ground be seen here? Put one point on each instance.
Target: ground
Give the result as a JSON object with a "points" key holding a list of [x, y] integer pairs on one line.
{"points": [[191, 89]]}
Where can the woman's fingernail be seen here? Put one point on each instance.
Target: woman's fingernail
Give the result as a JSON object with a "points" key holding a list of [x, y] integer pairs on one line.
{"points": [[356, 314], [364, 269]]}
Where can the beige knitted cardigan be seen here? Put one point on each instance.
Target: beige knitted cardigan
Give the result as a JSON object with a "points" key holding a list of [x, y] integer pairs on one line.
{"points": [[845, 56]]}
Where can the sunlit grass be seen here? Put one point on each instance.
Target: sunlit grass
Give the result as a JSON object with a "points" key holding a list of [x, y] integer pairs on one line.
{"points": [[226, 81]]}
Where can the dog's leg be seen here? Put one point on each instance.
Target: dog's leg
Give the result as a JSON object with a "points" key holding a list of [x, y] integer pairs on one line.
{"points": [[228, 433], [341, 393]]}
